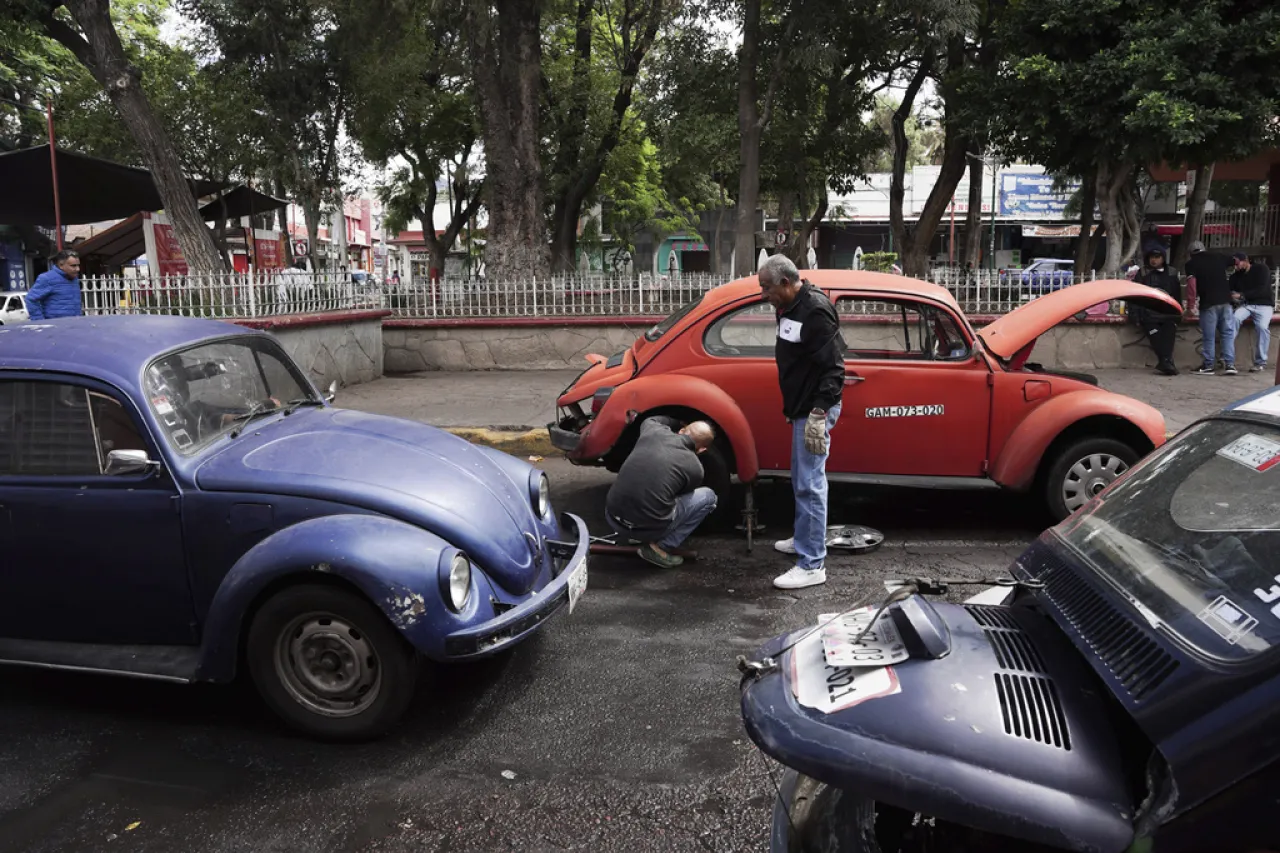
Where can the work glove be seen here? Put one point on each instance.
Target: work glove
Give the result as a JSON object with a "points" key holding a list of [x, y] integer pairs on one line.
{"points": [[816, 440]]}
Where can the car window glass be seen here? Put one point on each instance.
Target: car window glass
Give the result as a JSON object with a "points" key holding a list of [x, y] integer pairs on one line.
{"points": [[1193, 536], [47, 429], [747, 332], [899, 330], [201, 393]]}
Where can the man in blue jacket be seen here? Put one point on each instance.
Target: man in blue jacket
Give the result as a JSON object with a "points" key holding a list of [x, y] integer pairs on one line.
{"points": [[56, 292]]}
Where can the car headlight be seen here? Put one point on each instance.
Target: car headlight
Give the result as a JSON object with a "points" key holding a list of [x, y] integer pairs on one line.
{"points": [[459, 582], [540, 494]]}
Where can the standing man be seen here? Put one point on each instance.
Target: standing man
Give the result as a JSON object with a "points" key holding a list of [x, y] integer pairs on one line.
{"points": [[810, 355], [658, 498], [1251, 289], [1208, 271], [56, 291], [1161, 328]]}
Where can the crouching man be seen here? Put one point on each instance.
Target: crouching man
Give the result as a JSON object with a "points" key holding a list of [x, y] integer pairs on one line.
{"points": [[658, 498]]}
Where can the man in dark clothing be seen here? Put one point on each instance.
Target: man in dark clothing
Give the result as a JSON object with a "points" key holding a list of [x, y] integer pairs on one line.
{"points": [[809, 351], [1251, 290], [658, 498], [1208, 270], [1161, 329]]}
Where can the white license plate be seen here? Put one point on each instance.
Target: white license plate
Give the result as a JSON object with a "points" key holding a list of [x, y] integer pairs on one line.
{"points": [[881, 646], [577, 584], [1253, 451]]}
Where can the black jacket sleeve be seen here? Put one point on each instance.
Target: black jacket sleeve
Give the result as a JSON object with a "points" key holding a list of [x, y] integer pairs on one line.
{"points": [[660, 422], [1257, 286], [824, 345]]}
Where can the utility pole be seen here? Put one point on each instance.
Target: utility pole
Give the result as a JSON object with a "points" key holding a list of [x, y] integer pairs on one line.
{"points": [[53, 165]]}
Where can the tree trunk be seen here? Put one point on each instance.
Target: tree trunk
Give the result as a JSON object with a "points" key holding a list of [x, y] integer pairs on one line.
{"points": [[100, 51], [1111, 180], [971, 251], [338, 231], [506, 63], [807, 228], [915, 252], [753, 118], [1086, 247], [1193, 225], [897, 181]]}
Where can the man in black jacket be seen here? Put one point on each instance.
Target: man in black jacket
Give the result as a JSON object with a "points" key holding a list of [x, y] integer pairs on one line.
{"points": [[1162, 329], [809, 351], [658, 498], [1208, 270], [1251, 290]]}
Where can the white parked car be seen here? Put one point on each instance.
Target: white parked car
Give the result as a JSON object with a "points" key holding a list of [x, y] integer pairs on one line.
{"points": [[13, 308]]}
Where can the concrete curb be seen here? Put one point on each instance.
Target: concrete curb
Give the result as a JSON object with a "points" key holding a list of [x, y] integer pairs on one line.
{"points": [[522, 443]]}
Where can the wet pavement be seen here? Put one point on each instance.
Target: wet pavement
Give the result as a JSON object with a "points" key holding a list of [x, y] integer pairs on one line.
{"points": [[617, 729]]}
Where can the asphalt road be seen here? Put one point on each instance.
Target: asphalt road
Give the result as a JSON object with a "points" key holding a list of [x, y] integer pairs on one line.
{"points": [[619, 722]]}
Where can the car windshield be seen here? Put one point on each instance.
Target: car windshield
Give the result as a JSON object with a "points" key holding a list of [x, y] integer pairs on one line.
{"points": [[208, 391], [665, 326], [1192, 538]]}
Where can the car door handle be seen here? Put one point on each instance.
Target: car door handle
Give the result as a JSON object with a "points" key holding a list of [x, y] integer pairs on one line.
{"points": [[850, 378]]}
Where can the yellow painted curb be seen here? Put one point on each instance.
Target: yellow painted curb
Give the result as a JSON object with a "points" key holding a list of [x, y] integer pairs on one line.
{"points": [[534, 442]]}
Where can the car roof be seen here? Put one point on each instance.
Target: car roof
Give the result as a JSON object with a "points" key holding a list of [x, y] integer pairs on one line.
{"points": [[1265, 403], [114, 348], [842, 279], [13, 293], [1054, 260]]}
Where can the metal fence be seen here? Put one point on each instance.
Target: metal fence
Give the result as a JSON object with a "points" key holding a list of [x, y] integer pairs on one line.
{"points": [[239, 295], [1239, 228], [228, 295], [556, 296]]}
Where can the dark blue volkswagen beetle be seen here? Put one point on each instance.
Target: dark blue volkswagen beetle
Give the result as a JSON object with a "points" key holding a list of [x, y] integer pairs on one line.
{"points": [[176, 498], [1120, 693]]}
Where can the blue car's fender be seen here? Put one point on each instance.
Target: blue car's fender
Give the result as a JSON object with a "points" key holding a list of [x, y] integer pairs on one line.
{"points": [[395, 565]]}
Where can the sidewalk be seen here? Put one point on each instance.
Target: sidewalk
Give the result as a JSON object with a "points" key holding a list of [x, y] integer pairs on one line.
{"points": [[511, 408]]}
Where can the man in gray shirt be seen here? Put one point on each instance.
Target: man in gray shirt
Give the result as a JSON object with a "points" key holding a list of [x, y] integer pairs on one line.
{"points": [[658, 498]]}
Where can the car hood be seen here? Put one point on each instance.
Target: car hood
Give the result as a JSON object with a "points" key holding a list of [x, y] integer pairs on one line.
{"points": [[599, 375], [410, 471], [1021, 326]]}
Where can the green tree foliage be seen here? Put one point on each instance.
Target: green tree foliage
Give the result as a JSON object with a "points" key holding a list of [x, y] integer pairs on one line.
{"points": [[1098, 88]]}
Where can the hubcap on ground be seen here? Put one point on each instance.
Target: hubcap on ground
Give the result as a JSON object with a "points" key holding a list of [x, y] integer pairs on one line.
{"points": [[327, 665], [1089, 476]]}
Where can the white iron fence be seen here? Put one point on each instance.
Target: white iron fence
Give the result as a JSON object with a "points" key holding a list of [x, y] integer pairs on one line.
{"points": [[247, 296], [557, 296], [1240, 228], [228, 295]]}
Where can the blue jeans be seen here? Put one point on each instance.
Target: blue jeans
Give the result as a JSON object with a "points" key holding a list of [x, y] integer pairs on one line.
{"points": [[1215, 320], [691, 509], [809, 482], [1261, 315]]}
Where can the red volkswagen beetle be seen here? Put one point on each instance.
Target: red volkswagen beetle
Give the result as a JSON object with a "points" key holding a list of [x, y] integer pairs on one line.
{"points": [[929, 401]]}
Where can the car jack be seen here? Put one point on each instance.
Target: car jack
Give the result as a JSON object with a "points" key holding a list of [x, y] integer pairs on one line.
{"points": [[611, 545]]}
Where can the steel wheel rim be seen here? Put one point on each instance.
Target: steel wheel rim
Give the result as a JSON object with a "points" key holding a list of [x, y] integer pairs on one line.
{"points": [[1089, 476], [328, 665]]}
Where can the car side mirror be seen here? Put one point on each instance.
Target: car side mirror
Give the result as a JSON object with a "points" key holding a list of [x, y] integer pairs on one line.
{"points": [[332, 392], [128, 462]]}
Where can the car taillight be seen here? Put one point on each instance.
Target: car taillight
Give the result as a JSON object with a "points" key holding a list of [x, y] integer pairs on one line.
{"points": [[599, 398]]}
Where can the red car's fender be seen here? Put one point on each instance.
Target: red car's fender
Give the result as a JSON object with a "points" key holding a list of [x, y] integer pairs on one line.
{"points": [[1020, 457], [671, 391]]}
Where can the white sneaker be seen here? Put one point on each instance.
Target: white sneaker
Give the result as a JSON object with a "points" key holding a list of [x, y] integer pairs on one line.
{"points": [[786, 546], [798, 578]]}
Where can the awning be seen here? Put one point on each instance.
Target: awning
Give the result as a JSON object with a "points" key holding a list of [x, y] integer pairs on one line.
{"points": [[1220, 228], [90, 190], [239, 202], [1051, 231], [120, 243]]}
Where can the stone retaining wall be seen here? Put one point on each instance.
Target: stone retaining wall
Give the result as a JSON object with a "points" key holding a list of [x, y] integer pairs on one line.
{"points": [[429, 345], [344, 347]]}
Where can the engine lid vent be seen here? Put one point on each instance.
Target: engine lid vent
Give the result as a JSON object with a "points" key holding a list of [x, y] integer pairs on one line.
{"points": [[1032, 710]]}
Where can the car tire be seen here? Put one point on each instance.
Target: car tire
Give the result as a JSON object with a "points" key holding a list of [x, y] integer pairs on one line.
{"points": [[1081, 470], [329, 664], [717, 477]]}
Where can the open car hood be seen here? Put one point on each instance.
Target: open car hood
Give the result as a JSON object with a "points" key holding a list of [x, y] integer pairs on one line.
{"points": [[1021, 326]]}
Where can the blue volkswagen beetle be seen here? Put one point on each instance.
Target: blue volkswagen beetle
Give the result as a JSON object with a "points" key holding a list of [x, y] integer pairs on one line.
{"points": [[177, 500]]}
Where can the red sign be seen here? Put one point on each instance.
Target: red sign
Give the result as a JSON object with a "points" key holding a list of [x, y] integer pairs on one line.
{"points": [[268, 254], [169, 257]]}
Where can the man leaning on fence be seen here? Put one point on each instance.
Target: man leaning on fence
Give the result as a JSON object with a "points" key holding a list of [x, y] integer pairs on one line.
{"points": [[56, 292]]}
